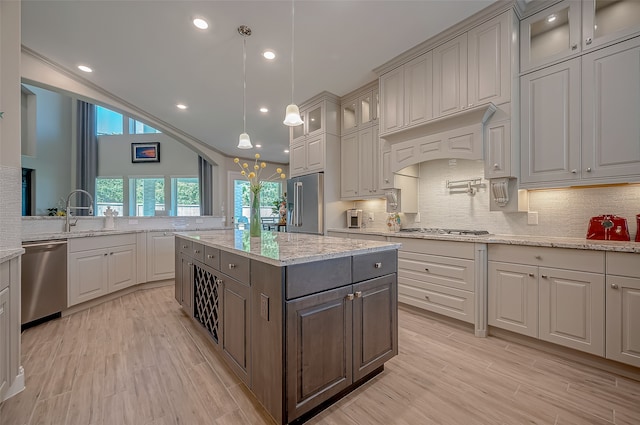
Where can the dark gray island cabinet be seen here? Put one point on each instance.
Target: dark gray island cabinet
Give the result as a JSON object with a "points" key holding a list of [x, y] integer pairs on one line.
{"points": [[300, 330]]}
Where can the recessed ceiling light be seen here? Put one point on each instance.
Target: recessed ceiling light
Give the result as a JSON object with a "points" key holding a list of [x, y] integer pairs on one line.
{"points": [[181, 106], [258, 146], [551, 18], [263, 109], [269, 54], [84, 68], [286, 151], [200, 23]]}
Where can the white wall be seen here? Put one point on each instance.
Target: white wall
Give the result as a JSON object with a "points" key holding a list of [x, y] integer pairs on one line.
{"points": [[114, 157], [561, 212], [52, 162]]}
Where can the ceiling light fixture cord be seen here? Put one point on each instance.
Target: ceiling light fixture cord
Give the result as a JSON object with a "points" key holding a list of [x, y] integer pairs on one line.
{"points": [[292, 45], [244, 85]]}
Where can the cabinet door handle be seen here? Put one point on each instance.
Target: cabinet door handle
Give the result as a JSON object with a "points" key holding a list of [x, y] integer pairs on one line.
{"points": [[105, 254], [574, 46], [386, 180], [588, 169], [197, 251], [349, 297], [574, 171], [111, 253], [538, 257], [544, 276], [426, 270], [209, 256], [589, 40], [531, 275], [378, 265], [189, 264], [614, 286], [185, 246], [232, 266], [164, 234], [496, 166], [358, 294]]}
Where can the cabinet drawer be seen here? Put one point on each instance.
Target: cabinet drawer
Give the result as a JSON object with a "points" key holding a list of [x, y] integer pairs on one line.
{"points": [[449, 302], [319, 276], [559, 258], [197, 251], [185, 246], [368, 266], [623, 264], [5, 275], [235, 266], [446, 271], [212, 257], [99, 242], [443, 248]]}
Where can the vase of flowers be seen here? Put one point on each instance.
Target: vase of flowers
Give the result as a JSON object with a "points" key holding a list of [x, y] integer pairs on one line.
{"points": [[255, 185]]}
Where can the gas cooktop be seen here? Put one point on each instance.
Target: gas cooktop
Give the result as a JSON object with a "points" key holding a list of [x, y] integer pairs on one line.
{"points": [[438, 231]]}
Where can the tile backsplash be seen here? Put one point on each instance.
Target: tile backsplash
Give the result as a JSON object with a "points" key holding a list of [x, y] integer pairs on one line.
{"points": [[561, 212]]}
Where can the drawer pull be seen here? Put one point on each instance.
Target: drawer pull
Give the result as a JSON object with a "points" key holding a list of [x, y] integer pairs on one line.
{"points": [[185, 246], [544, 276], [538, 257], [232, 266], [427, 297], [531, 275], [105, 254], [197, 251], [358, 294], [426, 270], [614, 286], [350, 297], [378, 265], [209, 256]]}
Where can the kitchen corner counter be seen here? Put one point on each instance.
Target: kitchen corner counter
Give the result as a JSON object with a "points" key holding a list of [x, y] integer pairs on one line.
{"points": [[541, 241], [44, 237], [285, 249], [10, 254]]}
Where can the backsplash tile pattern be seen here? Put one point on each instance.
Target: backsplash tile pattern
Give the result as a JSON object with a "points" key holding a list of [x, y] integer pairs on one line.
{"points": [[561, 212], [10, 207]]}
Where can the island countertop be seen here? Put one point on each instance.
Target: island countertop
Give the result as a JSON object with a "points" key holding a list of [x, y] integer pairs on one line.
{"points": [[284, 249]]}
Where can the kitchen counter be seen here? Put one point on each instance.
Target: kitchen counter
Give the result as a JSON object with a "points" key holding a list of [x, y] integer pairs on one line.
{"points": [[285, 249], [42, 237], [542, 241], [10, 253]]}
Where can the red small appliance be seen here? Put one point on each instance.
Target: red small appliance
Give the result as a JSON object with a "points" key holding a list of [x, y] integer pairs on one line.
{"points": [[609, 227]]}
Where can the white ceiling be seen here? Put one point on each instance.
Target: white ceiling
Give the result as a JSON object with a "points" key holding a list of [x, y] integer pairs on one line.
{"points": [[150, 54]]}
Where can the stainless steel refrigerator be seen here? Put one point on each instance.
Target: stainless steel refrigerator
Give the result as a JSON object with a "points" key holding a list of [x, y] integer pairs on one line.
{"points": [[305, 204]]}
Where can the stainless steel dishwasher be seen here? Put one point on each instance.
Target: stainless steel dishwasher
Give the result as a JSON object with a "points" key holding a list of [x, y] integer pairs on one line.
{"points": [[44, 281]]}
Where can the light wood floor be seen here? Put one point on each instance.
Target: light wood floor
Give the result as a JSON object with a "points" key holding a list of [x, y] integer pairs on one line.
{"points": [[139, 360]]}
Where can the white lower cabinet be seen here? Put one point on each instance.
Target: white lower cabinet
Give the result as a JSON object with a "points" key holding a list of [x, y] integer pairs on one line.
{"points": [[553, 294], [4, 338], [100, 265], [160, 256], [623, 308]]}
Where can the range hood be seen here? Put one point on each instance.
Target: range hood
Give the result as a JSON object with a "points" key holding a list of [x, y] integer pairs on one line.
{"points": [[459, 135]]}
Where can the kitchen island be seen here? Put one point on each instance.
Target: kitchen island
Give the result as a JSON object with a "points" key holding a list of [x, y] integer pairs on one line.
{"points": [[301, 319]]}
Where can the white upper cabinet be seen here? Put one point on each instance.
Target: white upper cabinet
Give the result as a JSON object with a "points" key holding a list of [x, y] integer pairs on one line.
{"points": [[489, 61], [604, 21], [550, 124], [418, 86], [360, 110], [574, 26], [315, 122], [550, 35], [392, 101], [610, 105], [450, 76]]}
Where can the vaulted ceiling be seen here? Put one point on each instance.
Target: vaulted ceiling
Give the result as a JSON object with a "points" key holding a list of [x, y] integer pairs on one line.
{"points": [[150, 54]]}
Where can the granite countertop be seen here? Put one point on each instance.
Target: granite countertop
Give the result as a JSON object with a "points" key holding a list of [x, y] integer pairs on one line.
{"points": [[541, 241], [10, 253], [89, 233], [284, 249]]}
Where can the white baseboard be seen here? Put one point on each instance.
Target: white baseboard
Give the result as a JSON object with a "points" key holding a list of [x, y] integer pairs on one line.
{"points": [[18, 385]]}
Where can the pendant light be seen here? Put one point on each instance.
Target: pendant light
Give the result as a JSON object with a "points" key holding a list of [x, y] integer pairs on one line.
{"points": [[244, 142], [292, 114]]}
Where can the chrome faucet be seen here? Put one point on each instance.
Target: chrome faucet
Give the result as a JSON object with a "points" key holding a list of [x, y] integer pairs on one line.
{"points": [[68, 224]]}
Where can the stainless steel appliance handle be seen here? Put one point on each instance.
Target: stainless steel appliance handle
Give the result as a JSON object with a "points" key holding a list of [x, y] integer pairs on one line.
{"points": [[297, 204], [294, 218], [31, 245], [300, 203]]}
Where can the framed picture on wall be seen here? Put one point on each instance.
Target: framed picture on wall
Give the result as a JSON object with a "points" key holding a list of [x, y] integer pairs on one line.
{"points": [[145, 152]]}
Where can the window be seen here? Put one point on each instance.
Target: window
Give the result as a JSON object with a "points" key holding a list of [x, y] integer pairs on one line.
{"points": [[148, 197], [109, 193], [269, 195], [185, 196], [108, 122], [138, 127]]}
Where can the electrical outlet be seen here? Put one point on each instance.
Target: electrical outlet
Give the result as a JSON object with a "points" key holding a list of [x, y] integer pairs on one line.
{"points": [[532, 218], [417, 219], [371, 217]]}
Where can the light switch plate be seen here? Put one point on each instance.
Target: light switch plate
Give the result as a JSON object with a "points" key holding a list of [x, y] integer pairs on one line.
{"points": [[371, 217], [532, 218]]}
